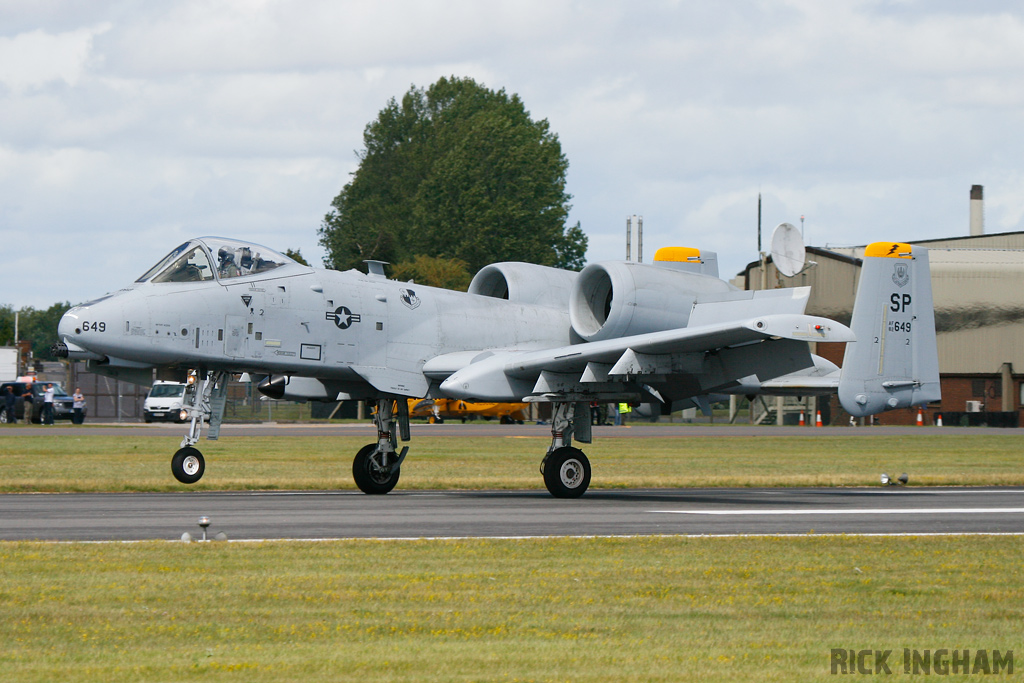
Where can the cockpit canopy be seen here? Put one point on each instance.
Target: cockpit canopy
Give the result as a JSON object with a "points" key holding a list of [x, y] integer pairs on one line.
{"points": [[207, 258]]}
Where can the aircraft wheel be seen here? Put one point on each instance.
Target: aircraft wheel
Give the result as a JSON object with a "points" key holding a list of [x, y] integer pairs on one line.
{"points": [[567, 472], [188, 465], [370, 478]]}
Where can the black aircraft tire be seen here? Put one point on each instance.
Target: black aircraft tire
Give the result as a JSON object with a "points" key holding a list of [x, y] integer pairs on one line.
{"points": [[567, 472], [368, 480], [188, 465]]}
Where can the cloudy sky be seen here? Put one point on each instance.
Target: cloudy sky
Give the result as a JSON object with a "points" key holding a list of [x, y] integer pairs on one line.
{"points": [[127, 127]]}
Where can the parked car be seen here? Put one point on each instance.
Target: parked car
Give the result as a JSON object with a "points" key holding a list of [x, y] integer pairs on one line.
{"points": [[164, 402], [63, 404]]}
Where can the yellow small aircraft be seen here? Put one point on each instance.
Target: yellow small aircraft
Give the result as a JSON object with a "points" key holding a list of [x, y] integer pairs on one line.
{"points": [[441, 409]]}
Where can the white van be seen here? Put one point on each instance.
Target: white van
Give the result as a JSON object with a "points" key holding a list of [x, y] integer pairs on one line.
{"points": [[164, 402]]}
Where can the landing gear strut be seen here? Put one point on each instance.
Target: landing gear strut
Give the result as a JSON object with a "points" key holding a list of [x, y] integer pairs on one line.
{"points": [[566, 469], [377, 466], [204, 400]]}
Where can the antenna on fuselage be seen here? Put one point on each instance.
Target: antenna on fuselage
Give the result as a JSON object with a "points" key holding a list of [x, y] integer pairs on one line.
{"points": [[375, 268]]}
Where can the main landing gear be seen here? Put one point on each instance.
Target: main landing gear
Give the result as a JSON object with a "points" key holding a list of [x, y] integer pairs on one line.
{"points": [[377, 466], [204, 400], [566, 469]]}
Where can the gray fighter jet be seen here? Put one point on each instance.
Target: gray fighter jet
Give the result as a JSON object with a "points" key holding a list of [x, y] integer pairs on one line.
{"points": [[670, 333]]}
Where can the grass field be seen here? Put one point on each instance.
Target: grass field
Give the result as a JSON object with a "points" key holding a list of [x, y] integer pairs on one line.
{"points": [[637, 609], [83, 462]]}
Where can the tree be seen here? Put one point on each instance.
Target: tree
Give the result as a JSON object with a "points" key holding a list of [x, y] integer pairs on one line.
{"points": [[6, 325], [296, 256], [455, 171], [38, 326], [435, 272]]}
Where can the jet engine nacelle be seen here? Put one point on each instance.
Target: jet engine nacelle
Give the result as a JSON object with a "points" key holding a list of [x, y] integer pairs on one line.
{"points": [[618, 299], [525, 283]]}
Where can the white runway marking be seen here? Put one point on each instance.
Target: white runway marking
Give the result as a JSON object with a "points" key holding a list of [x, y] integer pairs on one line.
{"points": [[858, 511], [946, 492]]}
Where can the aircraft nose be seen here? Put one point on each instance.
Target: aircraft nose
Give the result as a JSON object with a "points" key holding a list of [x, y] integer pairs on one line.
{"points": [[81, 333], [66, 326]]}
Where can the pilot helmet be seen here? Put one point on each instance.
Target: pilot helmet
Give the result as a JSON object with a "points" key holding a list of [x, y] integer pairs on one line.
{"points": [[225, 256]]}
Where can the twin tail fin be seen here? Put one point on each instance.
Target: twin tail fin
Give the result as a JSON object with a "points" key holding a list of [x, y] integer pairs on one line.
{"points": [[894, 363]]}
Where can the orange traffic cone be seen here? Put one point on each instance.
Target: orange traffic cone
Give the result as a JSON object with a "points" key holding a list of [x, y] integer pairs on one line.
{"points": [[817, 419], [920, 418], [802, 421], [938, 420]]}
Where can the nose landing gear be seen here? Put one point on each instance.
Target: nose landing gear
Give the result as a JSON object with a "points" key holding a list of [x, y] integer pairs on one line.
{"points": [[188, 465], [204, 400]]}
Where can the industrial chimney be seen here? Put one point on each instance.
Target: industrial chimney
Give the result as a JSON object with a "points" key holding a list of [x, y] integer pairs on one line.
{"points": [[977, 211], [637, 222]]}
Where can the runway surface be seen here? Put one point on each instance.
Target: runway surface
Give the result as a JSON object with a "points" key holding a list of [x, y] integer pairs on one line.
{"points": [[432, 514], [316, 515]]}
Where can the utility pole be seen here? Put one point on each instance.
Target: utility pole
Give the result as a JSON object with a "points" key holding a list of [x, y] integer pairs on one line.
{"points": [[760, 253]]}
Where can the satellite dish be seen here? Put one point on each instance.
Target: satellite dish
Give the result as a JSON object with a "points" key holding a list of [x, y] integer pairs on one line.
{"points": [[788, 251]]}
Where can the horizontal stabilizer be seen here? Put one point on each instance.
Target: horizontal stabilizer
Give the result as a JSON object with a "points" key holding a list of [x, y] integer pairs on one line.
{"points": [[820, 380]]}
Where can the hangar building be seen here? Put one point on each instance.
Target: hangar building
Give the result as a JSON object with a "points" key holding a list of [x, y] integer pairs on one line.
{"points": [[978, 290]]}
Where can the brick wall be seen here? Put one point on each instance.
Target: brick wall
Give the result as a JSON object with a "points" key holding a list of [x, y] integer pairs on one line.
{"points": [[956, 391]]}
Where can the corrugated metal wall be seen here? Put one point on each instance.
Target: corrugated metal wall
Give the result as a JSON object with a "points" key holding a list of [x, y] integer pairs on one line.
{"points": [[979, 309]]}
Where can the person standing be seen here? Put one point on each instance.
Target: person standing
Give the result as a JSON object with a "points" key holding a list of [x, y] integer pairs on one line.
{"points": [[10, 400], [79, 406], [27, 404], [46, 417]]}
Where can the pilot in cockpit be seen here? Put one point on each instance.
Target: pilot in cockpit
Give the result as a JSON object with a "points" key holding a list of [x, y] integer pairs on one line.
{"points": [[190, 262], [226, 265]]}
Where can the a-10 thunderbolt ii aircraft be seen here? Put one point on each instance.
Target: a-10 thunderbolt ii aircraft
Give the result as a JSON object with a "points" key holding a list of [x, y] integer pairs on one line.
{"points": [[670, 332]]}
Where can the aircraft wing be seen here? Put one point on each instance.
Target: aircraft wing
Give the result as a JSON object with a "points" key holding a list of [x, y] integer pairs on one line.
{"points": [[820, 380], [700, 359], [394, 380]]}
